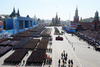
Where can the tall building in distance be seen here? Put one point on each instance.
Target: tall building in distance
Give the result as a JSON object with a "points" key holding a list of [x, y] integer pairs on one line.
{"points": [[93, 25], [14, 14], [56, 20], [76, 17]]}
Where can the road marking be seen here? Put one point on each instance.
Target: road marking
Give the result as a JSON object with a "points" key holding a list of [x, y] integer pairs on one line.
{"points": [[88, 63], [75, 55], [62, 50], [82, 60], [59, 50], [61, 62], [78, 58]]}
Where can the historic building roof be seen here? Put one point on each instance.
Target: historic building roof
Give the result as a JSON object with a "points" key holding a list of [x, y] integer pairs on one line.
{"points": [[76, 17], [56, 20], [14, 14], [96, 17]]}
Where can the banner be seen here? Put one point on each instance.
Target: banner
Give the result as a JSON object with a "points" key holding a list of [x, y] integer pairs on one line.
{"points": [[1, 26]]}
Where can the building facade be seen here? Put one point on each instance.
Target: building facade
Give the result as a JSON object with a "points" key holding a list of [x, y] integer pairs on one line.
{"points": [[94, 25], [15, 24], [56, 20], [14, 14]]}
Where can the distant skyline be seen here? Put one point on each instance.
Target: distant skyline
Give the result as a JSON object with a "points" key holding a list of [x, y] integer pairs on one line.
{"points": [[46, 9]]}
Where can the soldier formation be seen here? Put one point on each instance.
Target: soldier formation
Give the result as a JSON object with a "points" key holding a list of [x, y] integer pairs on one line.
{"points": [[64, 60]]}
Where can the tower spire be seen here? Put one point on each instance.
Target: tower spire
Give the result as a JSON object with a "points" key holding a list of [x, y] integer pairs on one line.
{"points": [[96, 17], [76, 7], [13, 14], [76, 12], [14, 10], [76, 17], [56, 13], [56, 17], [18, 14]]}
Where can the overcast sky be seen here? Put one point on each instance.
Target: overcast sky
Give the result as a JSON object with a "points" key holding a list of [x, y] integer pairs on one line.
{"points": [[46, 9]]}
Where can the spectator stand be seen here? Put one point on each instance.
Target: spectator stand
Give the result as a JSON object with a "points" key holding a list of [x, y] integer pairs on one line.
{"points": [[91, 37]]}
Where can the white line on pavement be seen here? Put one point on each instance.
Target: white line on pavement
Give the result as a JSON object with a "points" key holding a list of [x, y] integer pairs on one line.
{"points": [[75, 56]]}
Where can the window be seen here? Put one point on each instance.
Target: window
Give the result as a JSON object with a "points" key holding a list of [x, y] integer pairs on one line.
{"points": [[98, 26], [91, 25], [20, 24], [26, 24], [30, 23]]}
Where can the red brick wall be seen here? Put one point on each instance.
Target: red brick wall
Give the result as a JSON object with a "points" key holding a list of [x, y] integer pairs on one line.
{"points": [[86, 24]]}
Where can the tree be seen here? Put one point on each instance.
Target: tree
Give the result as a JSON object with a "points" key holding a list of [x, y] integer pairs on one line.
{"points": [[51, 24], [80, 20], [63, 24]]}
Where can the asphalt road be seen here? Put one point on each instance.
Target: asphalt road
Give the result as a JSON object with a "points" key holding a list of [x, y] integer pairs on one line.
{"points": [[82, 55]]}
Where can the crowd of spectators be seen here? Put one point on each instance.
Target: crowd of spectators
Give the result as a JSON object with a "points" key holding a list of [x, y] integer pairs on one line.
{"points": [[90, 36]]}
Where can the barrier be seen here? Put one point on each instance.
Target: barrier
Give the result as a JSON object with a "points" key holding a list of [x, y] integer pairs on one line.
{"points": [[6, 34]]}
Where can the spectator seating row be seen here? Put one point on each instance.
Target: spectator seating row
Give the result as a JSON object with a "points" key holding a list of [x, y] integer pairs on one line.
{"points": [[91, 37]]}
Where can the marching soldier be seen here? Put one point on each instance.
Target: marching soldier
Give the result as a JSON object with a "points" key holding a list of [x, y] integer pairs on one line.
{"points": [[66, 54], [59, 61], [69, 61], [65, 59], [62, 55]]}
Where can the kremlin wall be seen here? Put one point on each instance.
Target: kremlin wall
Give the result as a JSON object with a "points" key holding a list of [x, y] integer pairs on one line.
{"points": [[94, 25]]}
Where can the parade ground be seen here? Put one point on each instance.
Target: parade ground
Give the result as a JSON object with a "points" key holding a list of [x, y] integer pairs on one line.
{"points": [[76, 49]]}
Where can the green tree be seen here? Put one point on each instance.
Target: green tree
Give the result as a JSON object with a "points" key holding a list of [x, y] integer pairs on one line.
{"points": [[80, 20], [51, 24], [63, 24]]}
